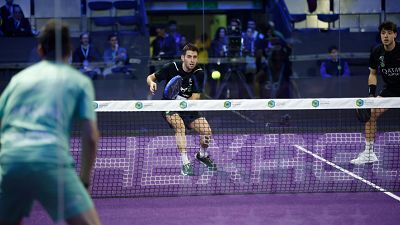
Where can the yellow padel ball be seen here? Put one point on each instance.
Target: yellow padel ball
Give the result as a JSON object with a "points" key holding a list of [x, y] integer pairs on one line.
{"points": [[216, 75]]}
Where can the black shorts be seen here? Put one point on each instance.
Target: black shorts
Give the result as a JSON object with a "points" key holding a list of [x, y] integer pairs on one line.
{"points": [[187, 116], [390, 92]]}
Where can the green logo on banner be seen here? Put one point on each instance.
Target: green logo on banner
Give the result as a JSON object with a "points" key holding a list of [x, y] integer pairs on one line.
{"points": [[227, 104], [315, 103], [139, 105], [183, 105], [271, 104], [359, 102], [95, 105]]}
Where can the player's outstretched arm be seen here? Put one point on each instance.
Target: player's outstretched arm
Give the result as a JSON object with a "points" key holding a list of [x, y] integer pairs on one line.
{"points": [[151, 81], [90, 136]]}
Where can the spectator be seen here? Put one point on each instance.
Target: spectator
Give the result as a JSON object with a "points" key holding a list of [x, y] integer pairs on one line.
{"points": [[115, 57], [248, 47], [253, 39], [219, 46], [164, 45], [254, 43], [182, 44], [18, 25], [334, 66], [6, 12], [172, 31], [249, 52], [252, 25], [86, 54]]}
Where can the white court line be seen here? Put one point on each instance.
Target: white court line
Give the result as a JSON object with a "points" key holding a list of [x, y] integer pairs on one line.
{"points": [[349, 173]]}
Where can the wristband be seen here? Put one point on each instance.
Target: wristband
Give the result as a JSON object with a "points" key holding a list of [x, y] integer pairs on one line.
{"points": [[372, 90]]}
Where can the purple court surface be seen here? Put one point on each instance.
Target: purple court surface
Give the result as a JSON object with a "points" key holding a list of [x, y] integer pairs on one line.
{"points": [[149, 166], [145, 169], [367, 208]]}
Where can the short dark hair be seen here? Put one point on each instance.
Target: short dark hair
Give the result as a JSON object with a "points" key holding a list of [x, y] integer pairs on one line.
{"points": [[216, 35], [15, 7], [189, 47], [388, 25], [47, 39], [331, 48], [112, 35]]}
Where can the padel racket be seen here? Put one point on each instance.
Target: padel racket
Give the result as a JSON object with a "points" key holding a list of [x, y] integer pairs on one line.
{"points": [[173, 87]]}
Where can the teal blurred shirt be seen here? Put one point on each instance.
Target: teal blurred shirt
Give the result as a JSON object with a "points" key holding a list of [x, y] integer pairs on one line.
{"points": [[37, 109]]}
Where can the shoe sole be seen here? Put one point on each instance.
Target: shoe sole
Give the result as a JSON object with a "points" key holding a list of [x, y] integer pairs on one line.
{"points": [[360, 163]]}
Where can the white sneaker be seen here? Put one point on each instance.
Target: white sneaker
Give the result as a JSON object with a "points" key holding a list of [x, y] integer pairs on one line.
{"points": [[364, 157]]}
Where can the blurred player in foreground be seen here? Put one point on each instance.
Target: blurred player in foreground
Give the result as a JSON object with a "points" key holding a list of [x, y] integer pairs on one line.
{"points": [[37, 109]]}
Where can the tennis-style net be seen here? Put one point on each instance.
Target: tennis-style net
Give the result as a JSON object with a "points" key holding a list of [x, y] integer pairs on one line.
{"points": [[259, 146]]}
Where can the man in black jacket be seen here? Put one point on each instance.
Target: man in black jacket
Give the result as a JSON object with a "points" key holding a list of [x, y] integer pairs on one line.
{"points": [[7, 12], [18, 25], [85, 55]]}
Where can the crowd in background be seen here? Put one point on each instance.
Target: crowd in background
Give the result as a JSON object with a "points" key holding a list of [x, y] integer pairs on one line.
{"points": [[263, 58], [263, 67]]}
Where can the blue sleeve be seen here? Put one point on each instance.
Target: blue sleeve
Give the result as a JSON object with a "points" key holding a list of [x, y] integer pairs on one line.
{"points": [[322, 70], [123, 54], [346, 70]]}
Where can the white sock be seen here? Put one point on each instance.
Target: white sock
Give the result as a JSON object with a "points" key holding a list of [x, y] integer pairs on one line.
{"points": [[185, 159], [369, 146], [203, 152]]}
